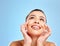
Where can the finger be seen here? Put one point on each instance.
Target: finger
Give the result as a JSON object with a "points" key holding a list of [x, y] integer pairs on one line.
{"points": [[48, 33], [26, 24], [44, 28], [24, 31], [23, 28], [47, 28]]}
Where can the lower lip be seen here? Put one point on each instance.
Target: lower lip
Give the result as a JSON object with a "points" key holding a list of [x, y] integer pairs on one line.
{"points": [[35, 29]]}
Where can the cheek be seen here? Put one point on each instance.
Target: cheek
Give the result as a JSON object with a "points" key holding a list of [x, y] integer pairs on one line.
{"points": [[42, 23], [30, 22]]}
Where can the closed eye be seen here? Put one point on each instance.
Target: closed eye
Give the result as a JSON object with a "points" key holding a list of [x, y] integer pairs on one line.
{"points": [[41, 19], [31, 18]]}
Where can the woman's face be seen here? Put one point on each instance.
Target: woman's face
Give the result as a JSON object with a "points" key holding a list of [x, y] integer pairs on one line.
{"points": [[35, 20]]}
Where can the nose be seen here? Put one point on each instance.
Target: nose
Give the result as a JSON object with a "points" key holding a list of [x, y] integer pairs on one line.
{"points": [[36, 21]]}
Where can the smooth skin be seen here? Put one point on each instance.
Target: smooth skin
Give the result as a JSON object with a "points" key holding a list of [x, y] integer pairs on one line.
{"points": [[35, 31]]}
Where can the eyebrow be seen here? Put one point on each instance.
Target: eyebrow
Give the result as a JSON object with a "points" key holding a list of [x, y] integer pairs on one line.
{"points": [[32, 15], [40, 16]]}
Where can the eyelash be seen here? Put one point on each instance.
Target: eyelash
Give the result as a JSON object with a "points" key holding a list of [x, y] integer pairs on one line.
{"points": [[42, 19], [31, 17]]}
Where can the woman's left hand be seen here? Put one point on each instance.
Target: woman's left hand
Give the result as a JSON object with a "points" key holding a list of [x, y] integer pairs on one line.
{"points": [[46, 33]]}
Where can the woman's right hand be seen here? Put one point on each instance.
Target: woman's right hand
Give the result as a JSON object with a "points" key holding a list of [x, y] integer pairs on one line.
{"points": [[27, 38]]}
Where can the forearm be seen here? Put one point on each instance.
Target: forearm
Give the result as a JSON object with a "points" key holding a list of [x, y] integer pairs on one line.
{"points": [[27, 44], [39, 44]]}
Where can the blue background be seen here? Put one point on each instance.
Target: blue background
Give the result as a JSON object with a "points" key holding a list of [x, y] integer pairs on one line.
{"points": [[13, 13]]}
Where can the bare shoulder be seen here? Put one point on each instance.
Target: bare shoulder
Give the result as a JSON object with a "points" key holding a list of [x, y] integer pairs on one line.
{"points": [[51, 44], [17, 43]]}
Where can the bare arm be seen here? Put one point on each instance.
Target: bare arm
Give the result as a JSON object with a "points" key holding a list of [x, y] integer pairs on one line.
{"points": [[52, 44], [27, 38], [16, 43], [13, 44]]}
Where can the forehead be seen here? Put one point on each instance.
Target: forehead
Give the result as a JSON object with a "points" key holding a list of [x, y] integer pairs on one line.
{"points": [[37, 13]]}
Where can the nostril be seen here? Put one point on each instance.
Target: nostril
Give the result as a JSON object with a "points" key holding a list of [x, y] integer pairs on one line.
{"points": [[36, 22]]}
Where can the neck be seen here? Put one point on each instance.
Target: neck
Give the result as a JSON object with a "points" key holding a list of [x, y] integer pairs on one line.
{"points": [[34, 41]]}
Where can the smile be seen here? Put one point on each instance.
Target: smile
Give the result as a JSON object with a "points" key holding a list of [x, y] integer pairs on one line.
{"points": [[35, 27]]}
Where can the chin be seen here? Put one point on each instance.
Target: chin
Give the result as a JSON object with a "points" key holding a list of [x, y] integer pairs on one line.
{"points": [[34, 33]]}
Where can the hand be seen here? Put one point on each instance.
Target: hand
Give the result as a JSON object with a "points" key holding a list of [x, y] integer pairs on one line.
{"points": [[46, 33], [27, 38]]}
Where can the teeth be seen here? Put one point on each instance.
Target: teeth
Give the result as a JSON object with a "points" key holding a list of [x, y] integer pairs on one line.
{"points": [[35, 27]]}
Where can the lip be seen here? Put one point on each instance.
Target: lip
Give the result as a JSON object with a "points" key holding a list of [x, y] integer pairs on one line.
{"points": [[36, 27]]}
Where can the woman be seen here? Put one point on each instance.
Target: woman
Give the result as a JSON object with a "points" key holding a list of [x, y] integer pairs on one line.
{"points": [[35, 30]]}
